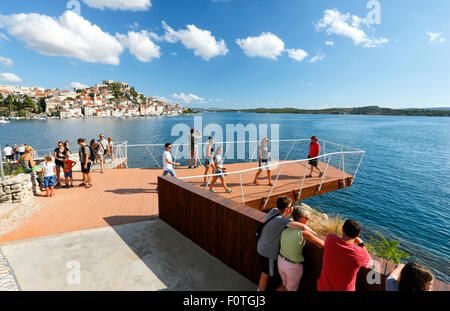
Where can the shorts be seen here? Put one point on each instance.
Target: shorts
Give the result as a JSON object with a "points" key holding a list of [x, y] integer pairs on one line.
{"points": [[218, 171], [314, 162], [101, 156], [59, 165], [68, 174], [49, 181], [87, 170], [194, 153], [171, 172], [208, 162], [9, 157], [290, 273], [265, 163], [265, 264]]}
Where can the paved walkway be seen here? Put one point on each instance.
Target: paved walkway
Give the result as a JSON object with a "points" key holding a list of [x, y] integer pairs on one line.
{"points": [[122, 196], [148, 255], [7, 277]]}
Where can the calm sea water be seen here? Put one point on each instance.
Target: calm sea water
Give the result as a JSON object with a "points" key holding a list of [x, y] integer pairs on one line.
{"points": [[402, 189]]}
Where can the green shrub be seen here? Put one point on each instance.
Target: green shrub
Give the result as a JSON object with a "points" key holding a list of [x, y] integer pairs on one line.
{"points": [[386, 249]]}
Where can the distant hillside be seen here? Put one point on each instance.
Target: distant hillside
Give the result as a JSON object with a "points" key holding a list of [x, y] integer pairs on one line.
{"points": [[369, 110]]}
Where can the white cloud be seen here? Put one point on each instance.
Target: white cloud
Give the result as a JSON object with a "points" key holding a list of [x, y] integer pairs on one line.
{"points": [[336, 23], [3, 36], [78, 85], [266, 45], [164, 99], [434, 36], [316, 58], [187, 99], [330, 43], [298, 54], [10, 77], [140, 45], [6, 61], [201, 41], [70, 35], [124, 5]]}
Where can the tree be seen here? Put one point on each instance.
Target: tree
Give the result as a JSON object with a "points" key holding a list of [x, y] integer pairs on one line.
{"points": [[29, 102], [42, 105]]}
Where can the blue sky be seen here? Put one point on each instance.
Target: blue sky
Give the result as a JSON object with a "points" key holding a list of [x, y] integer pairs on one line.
{"points": [[236, 53]]}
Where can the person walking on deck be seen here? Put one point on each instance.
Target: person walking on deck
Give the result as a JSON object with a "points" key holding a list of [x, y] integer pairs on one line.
{"points": [[290, 260], [219, 169], [167, 161], [264, 160], [194, 138], [85, 154], [314, 151], [209, 154]]}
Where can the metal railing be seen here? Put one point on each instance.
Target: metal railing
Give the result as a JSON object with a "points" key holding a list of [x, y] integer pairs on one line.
{"points": [[335, 151]]}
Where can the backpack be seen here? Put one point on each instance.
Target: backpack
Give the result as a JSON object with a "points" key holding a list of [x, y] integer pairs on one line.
{"points": [[261, 226], [92, 153]]}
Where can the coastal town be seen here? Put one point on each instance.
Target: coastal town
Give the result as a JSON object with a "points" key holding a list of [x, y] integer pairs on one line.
{"points": [[110, 99]]}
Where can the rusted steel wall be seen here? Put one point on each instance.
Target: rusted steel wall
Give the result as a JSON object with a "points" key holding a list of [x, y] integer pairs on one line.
{"points": [[226, 229]]}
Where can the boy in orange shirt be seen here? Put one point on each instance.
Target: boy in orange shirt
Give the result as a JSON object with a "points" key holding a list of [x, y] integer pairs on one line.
{"points": [[68, 165]]}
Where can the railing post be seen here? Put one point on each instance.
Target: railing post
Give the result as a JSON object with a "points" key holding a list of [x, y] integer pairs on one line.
{"points": [[303, 182], [270, 193], [357, 168], [254, 152], [290, 150], [151, 154], [323, 177], [242, 189], [343, 168], [1, 167]]}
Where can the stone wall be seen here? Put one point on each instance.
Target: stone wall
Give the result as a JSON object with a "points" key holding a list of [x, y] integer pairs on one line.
{"points": [[18, 188]]}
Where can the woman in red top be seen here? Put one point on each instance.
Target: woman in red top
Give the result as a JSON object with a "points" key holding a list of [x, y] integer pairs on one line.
{"points": [[314, 151]]}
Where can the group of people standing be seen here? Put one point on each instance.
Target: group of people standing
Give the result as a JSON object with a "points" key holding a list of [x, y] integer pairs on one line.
{"points": [[280, 248], [48, 173], [13, 153]]}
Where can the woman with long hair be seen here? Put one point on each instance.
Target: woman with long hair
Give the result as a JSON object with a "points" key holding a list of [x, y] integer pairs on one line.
{"points": [[411, 277], [264, 160]]}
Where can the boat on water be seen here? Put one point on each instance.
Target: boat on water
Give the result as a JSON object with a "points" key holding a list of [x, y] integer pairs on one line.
{"points": [[4, 121]]}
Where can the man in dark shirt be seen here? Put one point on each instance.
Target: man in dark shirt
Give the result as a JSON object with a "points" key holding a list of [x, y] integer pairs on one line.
{"points": [[84, 155]]}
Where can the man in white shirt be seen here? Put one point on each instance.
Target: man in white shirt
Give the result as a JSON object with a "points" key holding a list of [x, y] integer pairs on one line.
{"points": [[8, 153], [167, 161]]}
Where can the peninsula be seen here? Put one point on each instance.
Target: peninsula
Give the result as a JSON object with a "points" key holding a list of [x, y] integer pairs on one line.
{"points": [[368, 110]]}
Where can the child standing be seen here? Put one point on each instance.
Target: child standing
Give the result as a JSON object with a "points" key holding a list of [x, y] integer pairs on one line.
{"points": [[68, 165], [49, 170]]}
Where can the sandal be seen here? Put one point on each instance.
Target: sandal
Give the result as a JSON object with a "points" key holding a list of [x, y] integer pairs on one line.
{"points": [[212, 190], [82, 184], [88, 186], [321, 174], [308, 176], [229, 190]]}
